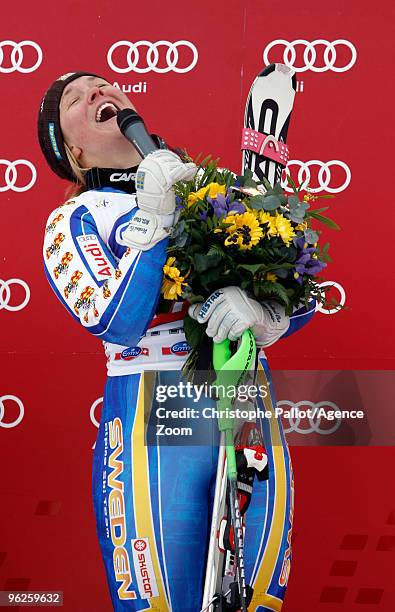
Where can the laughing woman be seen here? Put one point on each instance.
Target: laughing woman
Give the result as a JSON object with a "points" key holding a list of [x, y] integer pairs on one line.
{"points": [[152, 503]]}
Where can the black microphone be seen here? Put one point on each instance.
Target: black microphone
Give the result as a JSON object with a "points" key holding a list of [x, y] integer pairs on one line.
{"points": [[133, 128]]}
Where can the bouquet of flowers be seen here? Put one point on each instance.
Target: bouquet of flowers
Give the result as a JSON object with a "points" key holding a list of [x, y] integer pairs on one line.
{"points": [[232, 230]]}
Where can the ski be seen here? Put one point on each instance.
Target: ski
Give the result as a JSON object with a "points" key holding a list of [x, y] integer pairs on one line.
{"points": [[266, 120], [267, 115]]}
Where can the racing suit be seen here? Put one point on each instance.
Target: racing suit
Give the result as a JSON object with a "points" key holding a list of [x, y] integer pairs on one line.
{"points": [[153, 503]]}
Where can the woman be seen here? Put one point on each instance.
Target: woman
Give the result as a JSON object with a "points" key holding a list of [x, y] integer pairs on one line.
{"points": [[152, 504]]}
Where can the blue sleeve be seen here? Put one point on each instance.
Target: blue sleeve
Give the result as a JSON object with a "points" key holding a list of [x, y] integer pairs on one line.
{"points": [[114, 300], [299, 318]]}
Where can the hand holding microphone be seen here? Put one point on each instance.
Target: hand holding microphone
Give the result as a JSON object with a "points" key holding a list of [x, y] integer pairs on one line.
{"points": [[156, 175], [159, 170]]}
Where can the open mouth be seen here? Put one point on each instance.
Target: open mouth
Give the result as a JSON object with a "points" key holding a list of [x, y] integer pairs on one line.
{"points": [[106, 111]]}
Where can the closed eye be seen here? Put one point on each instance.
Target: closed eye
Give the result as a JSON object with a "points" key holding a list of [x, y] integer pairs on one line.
{"points": [[72, 102]]}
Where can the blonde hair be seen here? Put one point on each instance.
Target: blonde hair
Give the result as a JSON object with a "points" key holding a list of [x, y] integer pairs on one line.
{"points": [[79, 186]]}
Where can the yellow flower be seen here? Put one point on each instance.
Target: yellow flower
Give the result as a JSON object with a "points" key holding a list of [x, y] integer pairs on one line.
{"points": [[244, 230], [171, 289], [215, 188], [284, 229], [301, 227], [309, 197], [172, 285], [170, 270], [270, 276], [212, 189], [270, 222]]}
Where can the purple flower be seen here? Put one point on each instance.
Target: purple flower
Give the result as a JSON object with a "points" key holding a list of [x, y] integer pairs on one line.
{"points": [[306, 263], [223, 206]]}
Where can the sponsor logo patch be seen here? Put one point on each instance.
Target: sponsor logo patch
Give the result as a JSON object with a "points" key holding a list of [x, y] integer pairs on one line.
{"points": [[51, 131], [95, 256], [179, 348], [140, 180], [143, 568], [122, 176], [131, 353]]}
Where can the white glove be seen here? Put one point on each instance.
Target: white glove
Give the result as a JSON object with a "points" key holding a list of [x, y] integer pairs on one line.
{"points": [[146, 229], [156, 175], [229, 312]]}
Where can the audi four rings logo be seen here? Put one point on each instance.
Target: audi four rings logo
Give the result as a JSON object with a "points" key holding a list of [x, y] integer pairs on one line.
{"points": [[151, 59], [11, 175], [314, 424], [17, 57], [17, 401], [324, 175], [342, 299], [5, 294], [310, 54]]}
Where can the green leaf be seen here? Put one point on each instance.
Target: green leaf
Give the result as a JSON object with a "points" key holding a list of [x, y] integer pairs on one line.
{"points": [[216, 250], [194, 331], [267, 288], [325, 220], [301, 185], [291, 182], [257, 202], [320, 210], [266, 183], [209, 276], [253, 268], [205, 261], [293, 201], [311, 236], [277, 189], [249, 183], [197, 236], [271, 202], [282, 272]]}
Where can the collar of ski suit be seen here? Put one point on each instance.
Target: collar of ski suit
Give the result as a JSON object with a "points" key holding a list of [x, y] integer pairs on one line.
{"points": [[116, 178], [120, 180]]}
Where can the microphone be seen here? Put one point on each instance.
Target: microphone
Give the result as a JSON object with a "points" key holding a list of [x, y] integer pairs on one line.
{"points": [[133, 128]]}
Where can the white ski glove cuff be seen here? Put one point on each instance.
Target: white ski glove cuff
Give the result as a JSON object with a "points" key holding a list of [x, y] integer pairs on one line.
{"points": [[155, 177], [273, 325], [229, 312], [146, 229]]}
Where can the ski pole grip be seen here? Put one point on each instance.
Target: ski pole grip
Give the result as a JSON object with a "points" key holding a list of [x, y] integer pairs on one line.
{"points": [[231, 370], [240, 362]]}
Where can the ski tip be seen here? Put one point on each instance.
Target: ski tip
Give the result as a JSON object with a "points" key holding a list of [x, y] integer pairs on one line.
{"points": [[280, 68], [267, 70]]}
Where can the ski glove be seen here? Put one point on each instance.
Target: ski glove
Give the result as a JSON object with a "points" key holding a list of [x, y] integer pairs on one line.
{"points": [[229, 312], [156, 175], [146, 229]]}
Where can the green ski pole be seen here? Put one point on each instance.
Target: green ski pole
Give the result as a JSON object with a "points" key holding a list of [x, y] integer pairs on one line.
{"points": [[231, 370]]}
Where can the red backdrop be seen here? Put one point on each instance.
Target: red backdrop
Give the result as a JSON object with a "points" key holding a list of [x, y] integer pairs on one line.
{"points": [[52, 371]]}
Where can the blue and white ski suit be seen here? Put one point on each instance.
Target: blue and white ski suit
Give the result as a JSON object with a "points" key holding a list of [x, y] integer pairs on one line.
{"points": [[153, 503]]}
